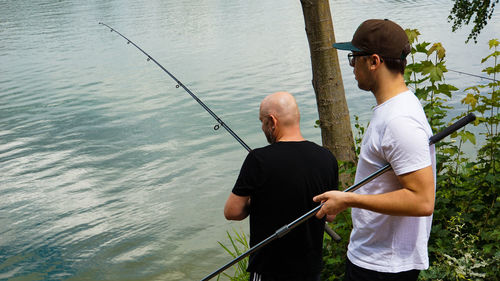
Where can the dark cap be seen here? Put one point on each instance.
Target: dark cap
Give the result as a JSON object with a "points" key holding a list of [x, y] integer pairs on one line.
{"points": [[382, 37]]}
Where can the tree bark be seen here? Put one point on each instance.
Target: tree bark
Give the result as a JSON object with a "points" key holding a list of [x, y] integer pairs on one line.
{"points": [[334, 119]]}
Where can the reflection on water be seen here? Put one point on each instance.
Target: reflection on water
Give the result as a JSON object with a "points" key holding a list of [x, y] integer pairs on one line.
{"points": [[110, 172]]}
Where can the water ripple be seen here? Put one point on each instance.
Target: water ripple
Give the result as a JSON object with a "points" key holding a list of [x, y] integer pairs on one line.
{"points": [[107, 170]]}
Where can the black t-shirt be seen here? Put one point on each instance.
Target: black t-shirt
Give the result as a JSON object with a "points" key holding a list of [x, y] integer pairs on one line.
{"points": [[281, 180]]}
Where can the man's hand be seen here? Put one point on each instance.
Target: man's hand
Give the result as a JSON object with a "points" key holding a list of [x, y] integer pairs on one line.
{"points": [[330, 218], [415, 198], [334, 203]]}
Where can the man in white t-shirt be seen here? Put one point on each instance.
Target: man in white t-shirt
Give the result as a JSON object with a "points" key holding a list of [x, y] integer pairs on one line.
{"points": [[392, 214]]}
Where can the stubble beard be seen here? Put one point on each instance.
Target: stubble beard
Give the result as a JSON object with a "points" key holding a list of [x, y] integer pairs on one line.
{"points": [[271, 139], [363, 85]]}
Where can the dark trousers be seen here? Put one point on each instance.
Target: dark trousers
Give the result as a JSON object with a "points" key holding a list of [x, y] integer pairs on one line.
{"points": [[356, 273], [263, 277]]}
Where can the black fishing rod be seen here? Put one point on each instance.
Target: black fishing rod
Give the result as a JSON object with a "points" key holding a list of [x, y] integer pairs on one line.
{"points": [[328, 230], [285, 229], [179, 84]]}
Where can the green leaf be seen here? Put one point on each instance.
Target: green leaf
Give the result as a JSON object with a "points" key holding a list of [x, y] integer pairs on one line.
{"points": [[494, 54], [446, 89], [467, 136], [435, 71], [407, 75], [421, 93], [490, 178], [492, 43], [412, 35], [491, 70], [416, 67], [422, 47], [471, 100], [473, 88], [439, 49]]}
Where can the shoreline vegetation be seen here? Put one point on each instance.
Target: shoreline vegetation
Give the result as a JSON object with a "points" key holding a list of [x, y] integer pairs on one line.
{"points": [[464, 242]]}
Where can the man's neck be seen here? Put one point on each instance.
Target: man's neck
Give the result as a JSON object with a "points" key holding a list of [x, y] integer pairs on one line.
{"points": [[291, 134], [388, 87], [290, 140]]}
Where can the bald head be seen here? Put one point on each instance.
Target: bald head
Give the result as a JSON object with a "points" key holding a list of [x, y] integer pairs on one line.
{"points": [[283, 106]]}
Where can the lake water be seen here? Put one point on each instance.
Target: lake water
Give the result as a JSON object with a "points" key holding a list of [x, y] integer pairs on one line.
{"points": [[110, 172]]}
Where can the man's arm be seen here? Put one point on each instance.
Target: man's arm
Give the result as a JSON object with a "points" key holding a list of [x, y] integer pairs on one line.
{"points": [[237, 207], [415, 198]]}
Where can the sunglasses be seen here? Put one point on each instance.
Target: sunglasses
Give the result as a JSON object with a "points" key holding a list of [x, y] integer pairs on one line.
{"points": [[352, 57]]}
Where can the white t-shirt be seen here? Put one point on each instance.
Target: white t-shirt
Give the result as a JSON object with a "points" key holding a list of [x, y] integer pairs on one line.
{"points": [[398, 134]]}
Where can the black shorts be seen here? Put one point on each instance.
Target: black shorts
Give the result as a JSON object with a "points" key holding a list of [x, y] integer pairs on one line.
{"points": [[356, 273]]}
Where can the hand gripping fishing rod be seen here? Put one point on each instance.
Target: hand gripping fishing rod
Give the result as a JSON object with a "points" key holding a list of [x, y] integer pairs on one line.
{"points": [[179, 84], [285, 229], [328, 230]]}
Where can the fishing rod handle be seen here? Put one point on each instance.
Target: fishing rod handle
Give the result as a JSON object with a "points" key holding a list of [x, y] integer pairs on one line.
{"points": [[332, 233], [452, 128]]}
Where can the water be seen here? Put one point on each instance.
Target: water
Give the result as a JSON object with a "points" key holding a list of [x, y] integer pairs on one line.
{"points": [[107, 170]]}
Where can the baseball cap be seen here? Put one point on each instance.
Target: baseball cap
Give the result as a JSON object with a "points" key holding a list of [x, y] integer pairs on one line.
{"points": [[383, 37]]}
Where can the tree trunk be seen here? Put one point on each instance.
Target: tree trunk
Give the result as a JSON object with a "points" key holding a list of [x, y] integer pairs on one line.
{"points": [[334, 120]]}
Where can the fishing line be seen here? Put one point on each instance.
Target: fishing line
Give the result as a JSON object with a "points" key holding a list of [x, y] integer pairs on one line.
{"points": [[474, 75], [179, 84]]}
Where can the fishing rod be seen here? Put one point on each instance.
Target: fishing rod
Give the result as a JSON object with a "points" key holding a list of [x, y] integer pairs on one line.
{"points": [[179, 84], [285, 229], [328, 230]]}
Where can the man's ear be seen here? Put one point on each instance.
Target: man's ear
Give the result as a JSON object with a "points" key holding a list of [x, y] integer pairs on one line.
{"points": [[375, 61], [273, 120]]}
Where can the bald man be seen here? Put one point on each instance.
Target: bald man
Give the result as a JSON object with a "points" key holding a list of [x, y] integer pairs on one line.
{"points": [[275, 186]]}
